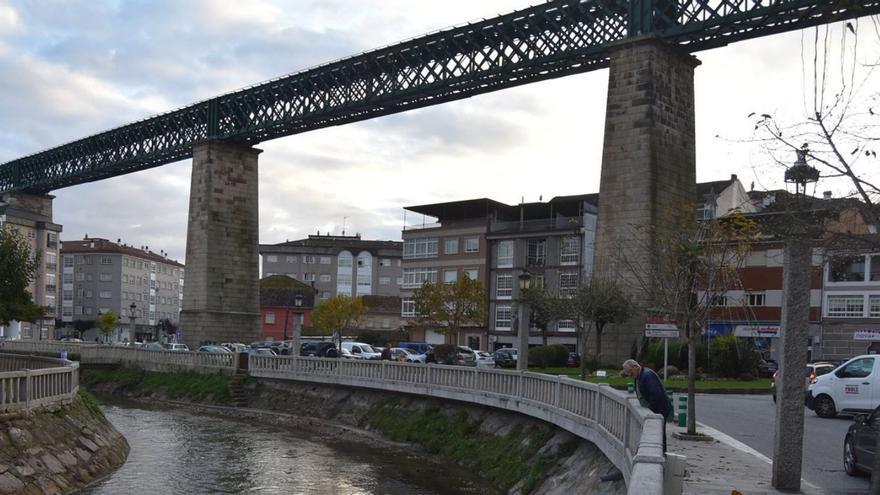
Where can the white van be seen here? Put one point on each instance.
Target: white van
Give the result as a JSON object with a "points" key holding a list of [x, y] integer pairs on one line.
{"points": [[852, 387], [359, 350]]}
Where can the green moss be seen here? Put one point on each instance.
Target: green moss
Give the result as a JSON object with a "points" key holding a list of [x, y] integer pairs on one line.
{"points": [[505, 460], [212, 387], [90, 402]]}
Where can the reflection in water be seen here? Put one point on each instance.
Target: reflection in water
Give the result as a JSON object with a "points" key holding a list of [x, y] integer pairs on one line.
{"points": [[174, 451]]}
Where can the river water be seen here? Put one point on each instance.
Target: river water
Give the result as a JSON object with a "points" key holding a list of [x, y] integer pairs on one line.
{"points": [[176, 451]]}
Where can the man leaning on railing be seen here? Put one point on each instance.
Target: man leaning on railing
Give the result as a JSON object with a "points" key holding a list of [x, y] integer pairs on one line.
{"points": [[649, 390]]}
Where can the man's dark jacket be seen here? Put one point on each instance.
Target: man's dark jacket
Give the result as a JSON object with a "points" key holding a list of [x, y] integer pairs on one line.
{"points": [[651, 393]]}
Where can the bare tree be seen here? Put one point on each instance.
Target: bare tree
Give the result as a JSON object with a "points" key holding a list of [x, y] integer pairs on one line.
{"points": [[700, 261]]}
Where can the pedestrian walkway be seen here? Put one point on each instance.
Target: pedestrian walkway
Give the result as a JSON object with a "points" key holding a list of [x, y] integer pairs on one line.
{"points": [[723, 465]]}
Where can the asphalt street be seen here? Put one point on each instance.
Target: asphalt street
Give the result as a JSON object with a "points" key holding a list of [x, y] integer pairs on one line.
{"points": [[751, 420]]}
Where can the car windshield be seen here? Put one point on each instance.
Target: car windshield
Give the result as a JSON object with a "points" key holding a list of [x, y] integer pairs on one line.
{"points": [[366, 348], [405, 351], [483, 354]]}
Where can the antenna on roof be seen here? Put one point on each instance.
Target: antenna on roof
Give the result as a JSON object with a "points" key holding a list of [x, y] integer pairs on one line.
{"points": [[343, 224]]}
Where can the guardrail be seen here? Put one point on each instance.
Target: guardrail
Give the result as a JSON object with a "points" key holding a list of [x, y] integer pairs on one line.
{"points": [[149, 359], [628, 434], [30, 382]]}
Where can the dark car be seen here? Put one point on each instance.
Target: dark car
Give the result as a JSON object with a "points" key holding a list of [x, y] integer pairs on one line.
{"points": [[574, 360], [860, 444], [505, 357], [767, 368], [318, 349]]}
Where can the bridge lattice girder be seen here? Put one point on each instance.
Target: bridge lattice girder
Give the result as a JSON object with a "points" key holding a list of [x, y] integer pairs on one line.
{"points": [[547, 41]]}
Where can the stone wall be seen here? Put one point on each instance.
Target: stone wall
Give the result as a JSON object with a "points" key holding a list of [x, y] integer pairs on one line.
{"points": [[59, 450]]}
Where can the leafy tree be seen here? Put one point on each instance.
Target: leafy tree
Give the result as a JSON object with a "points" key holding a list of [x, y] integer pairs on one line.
{"points": [[447, 308], [699, 263], [596, 304], [17, 268], [544, 308], [340, 313], [107, 322]]}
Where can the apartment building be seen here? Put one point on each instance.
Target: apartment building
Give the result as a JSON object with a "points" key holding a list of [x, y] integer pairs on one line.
{"points": [[451, 245], [337, 264], [31, 216], [99, 275], [552, 241]]}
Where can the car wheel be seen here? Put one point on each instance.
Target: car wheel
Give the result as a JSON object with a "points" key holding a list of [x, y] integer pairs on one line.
{"points": [[824, 407], [849, 457]]}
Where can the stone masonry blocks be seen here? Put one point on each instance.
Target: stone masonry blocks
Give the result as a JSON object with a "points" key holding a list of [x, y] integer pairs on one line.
{"points": [[221, 294], [648, 162]]}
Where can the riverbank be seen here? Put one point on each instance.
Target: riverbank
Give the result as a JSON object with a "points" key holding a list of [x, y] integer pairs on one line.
{"points": [[512, 453], [58, 450]]}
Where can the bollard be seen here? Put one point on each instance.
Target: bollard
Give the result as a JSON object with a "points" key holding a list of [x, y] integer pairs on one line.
{"points": [[682, 410]]}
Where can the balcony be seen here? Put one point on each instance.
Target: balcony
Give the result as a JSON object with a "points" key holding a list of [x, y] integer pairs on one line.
{"points": [[543, 225], [51, 267], [432, 225], [51, 287]]}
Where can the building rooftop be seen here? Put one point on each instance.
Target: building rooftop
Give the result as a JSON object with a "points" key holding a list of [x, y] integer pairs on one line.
{"points": [[281, 290], [97, 245], [335, 241]]}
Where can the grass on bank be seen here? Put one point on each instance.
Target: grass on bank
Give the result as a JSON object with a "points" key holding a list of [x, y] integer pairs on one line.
{"points": [[213, 387], [614, 379]]}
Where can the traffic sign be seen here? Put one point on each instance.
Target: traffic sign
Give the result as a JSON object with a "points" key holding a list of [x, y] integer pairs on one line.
{"points": [[664, 333]]}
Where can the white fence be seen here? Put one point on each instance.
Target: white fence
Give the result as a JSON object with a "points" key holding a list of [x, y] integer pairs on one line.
{"points": [[31, 382], [628, 434]]}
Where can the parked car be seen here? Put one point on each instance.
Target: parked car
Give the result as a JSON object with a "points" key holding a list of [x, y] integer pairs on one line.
{"points": [[465, 356], [176, 347], [767, 368], [71, 339], [505, 357], [154, 346], [574, 360], [263, 351], [811, 371], [860, 444], [215, 349], [235, 346], [359, 350], [484, 359], [852, 387], [403, 354], [318, 349]]}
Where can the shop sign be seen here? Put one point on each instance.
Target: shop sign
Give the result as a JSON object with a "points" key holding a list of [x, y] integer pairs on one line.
{"points": [[763, 331], [660, 322], [867, 334]]}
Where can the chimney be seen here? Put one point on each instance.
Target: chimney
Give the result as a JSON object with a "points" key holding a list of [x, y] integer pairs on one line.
{"points": [[733, 177], [826, 195], [118, 240]]}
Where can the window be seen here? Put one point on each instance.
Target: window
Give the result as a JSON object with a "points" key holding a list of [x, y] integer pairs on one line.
{"points": [[706, 211], [505, 254], [290, 259], [105, 294], [861, 368], [385, 262], [755, 299], [846, 269], [106, 277], [325, 260], [565, 326], [538, 281], [66, 311], [473, 341], [450, 276], [89, 277], [364, 279], [450, 246], [272, 258], [504, 285], [106, 260], [345, 260], [399, 280], [325, 277], [874, 306], [846, 306], [67, 278], [537, 252], [569, 250], [270, 317], [309, 277], [79, 292], [309, 260], [87, 310], [384, 280], [89, 294], [407, 307], [568, 282], [502, 317], [80, 276], [414, 277], [67, 295], [875, 268], [472, 244], [325, 295], [471, 273], [68, 261], [718, 300], [425, 247]]}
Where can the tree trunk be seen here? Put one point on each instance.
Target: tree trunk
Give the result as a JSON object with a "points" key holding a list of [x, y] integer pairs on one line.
{"points": [[583, 336], [544, 336], [599, 344], [692, 382]]}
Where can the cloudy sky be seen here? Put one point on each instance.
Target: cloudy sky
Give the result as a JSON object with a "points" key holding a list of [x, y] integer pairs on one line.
{"points": [[70, 69]]}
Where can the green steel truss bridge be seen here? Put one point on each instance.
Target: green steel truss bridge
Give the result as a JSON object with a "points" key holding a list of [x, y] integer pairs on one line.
{"points": [[555, 39]]}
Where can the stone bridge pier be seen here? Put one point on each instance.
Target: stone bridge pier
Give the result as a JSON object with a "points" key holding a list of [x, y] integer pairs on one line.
{"points": [[221, 294], [648, 165]]}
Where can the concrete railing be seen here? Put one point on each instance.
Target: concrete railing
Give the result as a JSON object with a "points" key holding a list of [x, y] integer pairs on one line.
{"points": [[148, 359], [628, 434], [31, 382]]}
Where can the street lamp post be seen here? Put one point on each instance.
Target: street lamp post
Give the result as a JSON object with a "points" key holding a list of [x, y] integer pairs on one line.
{"points": [[522, 360], [797, 260], [297, 326], [131, 318]]}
